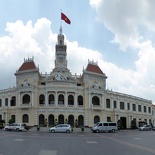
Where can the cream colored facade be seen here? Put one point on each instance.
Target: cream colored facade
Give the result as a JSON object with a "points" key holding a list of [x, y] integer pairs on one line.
{"points": [[60, 97]]}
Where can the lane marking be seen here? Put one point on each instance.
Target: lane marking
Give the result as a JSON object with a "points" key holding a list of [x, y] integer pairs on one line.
{"points": [[18, 140], [137, 138], [48, 152], [91, 142]]}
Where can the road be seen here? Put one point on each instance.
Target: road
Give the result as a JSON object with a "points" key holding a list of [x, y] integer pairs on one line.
{"points": [[32, 142]]}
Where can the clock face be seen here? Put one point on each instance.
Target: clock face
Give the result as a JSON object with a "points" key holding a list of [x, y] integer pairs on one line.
{"points": [[61, 60]]}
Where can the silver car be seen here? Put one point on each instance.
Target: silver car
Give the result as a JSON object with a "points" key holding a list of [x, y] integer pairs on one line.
{"points": [[15, 126], [145, 128], [61, 128]]}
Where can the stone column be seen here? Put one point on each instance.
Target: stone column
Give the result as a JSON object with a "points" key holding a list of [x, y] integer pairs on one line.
{"points": [[102, 101], [19, 99], [129, 122], [9, 100], [56, 98], [89, 101], [46, 99], [3, 101], [75, 99], [3, 115], [112, 103], [115, 119], [66, 99], [6, 117], [32, 99], [125, 104]]}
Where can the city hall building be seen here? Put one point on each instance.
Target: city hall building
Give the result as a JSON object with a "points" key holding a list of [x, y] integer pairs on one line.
{"points": [[60, 97]]}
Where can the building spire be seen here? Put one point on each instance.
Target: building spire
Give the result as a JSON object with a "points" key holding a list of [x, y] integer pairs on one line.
{"points": [[60, 30]]}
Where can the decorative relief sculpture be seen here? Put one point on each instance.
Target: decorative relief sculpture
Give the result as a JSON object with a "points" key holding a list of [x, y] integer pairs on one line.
{"points": [[95, 85], [60, 77]]}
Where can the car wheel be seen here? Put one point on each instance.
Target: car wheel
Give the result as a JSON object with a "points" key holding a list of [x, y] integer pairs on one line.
{"points": [[67, 131], [6, 129], [52, 131], [97, 131], [17, 129], [113, 130]]}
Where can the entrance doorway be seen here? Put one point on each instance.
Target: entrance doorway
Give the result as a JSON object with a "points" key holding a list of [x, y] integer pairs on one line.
{"points": [[123, 120]]}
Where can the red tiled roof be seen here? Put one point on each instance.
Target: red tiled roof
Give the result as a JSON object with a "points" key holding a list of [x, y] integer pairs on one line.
{"points": [[94, 68], [27, 65]]}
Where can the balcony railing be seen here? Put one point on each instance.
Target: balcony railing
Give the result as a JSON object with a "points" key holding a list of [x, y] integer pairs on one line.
{"points": [[25, 105], [96, 107], [51, 105], [71, 106], [61, 105]]}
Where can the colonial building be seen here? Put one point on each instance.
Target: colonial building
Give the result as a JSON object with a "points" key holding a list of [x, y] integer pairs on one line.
{"points": [[60, 97]]}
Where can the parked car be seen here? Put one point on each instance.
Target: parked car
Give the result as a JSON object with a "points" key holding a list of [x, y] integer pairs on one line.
{"points": [[145, 128], [61, 128], [105, 127], [15, 126]]}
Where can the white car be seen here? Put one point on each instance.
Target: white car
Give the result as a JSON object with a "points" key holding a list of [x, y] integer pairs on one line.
{"points": [[145, 128], [15, 126], [61, 128]]}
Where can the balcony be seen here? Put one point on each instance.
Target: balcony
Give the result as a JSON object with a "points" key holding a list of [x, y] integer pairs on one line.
{"points": [[61, 105], [42, 105], [96, 107], [80, 106], [25, 105], [71, 106], [51, 105]]}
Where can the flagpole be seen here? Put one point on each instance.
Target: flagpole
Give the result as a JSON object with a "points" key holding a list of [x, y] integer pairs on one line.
{"points": [[60, 22]]}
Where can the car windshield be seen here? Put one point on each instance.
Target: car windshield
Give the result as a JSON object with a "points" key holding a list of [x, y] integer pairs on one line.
{"points": [[96, 124]]}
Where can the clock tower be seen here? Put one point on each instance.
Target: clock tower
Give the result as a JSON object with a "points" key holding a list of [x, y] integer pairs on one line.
{"points": [[60, 51]]}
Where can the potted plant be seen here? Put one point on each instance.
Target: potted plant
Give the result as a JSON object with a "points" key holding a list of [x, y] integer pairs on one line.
{"points": [[38, 128], [82, 128], [76, 123]]}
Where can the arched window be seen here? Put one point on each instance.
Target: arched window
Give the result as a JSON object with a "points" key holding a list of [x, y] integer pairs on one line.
{"points": [[13, 118], [61, 99], [71, 120], [25, 118], [70, 100], [80, 121], [6, 102], [108, 119], [61, 119], [41, 120], [42, 99], [13, 101], [122, 105], [107, 103], [51, 99], [139, 108], [80, 100], [96, 119], [26, 99], [51, 120], [95, 100]]}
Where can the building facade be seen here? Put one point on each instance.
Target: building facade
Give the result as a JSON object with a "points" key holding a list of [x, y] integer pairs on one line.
{"points": [[60, 97]]}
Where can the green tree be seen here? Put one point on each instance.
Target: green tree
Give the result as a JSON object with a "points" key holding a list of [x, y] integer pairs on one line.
{"points": [[10, 121], [133, 124]]}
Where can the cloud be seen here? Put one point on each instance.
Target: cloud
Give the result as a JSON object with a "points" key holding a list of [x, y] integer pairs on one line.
{"points": [[125, 19], [132, 24], [37, 40]]}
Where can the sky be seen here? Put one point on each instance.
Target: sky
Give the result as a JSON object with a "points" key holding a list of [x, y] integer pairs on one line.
{"points": [[117, 34]]}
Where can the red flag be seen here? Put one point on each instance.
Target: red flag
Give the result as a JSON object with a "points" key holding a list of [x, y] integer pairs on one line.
{"points": [[65, 18]]}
